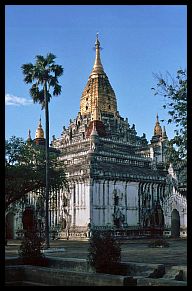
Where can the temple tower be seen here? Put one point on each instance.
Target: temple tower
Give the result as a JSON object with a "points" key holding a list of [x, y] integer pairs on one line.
{"points": [[98, 95]]}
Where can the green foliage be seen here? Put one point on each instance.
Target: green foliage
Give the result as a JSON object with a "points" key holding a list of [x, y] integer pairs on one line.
{"points": [[31, 246], [43, 76], [25, 169], [174, 91], [44, 70], [30, 250], [104, 251]]}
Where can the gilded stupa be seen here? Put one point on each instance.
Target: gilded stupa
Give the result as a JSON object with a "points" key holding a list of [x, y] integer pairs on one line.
{"points": [[39, 134], [157, 128]]}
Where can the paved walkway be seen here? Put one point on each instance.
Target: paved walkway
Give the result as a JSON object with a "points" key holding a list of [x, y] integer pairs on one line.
{"points": [[131, 251]]}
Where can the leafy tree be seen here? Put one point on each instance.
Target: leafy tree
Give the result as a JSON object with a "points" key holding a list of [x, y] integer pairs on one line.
{"points": [[175, 93], [43, 75], [25, 169]]}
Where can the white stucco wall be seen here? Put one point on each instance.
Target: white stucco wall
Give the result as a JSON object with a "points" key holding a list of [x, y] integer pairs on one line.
{"points": [[80, 210], [132, 203], [103, 201], [178, 202]]}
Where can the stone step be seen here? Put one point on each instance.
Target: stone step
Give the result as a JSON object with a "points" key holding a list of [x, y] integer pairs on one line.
{"points": [[178, 273], [158, 282], [24, 283]]}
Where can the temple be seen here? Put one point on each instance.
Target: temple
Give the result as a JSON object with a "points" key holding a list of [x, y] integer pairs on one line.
{"points": [[117, 179]]}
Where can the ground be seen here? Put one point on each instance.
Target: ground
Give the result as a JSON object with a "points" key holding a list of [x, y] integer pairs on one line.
{"points": [[134, 250]]}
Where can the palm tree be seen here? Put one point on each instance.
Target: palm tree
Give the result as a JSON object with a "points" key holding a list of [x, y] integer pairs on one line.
{"points": [[44, 77]]}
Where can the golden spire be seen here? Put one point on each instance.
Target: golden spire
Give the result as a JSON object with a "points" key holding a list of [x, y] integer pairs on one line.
{"points": [[39, 131], [98, 67], [98, 96], [157, 128]]}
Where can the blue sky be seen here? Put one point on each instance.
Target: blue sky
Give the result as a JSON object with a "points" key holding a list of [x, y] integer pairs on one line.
{"points": [[137, 41]]}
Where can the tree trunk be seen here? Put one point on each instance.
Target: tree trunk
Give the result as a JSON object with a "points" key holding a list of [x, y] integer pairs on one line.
{"points": [[47, 167]]}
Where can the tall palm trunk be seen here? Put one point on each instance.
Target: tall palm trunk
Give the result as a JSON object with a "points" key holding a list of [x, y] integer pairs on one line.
{"points": [[47, 167]]}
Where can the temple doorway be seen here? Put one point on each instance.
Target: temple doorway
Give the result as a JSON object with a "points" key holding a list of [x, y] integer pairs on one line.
{"points": [[175, 223]]}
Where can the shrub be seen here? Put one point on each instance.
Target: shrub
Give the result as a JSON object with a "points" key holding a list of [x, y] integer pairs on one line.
{"points": [[31, 246], [104, 251], [30, 250]]}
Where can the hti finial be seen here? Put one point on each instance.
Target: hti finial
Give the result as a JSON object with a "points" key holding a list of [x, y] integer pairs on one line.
{"points": [[97, 68], [97, 39], [40, 122], [29, 134]]}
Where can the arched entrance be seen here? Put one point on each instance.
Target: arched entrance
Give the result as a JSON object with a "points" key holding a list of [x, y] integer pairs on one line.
{"points": [[64, 223], [175, 223], [9, 229]]}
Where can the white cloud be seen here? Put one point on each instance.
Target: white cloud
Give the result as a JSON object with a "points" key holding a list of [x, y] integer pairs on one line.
{"points": [[16, 101]]}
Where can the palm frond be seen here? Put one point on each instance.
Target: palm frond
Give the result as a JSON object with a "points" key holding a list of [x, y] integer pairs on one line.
{"points": [[43, 70], [52, 81], [28, 78], [34, 92], [39, 74], [57, 70], [40, 59], [57, 90], [27, 68], [50, 58]]}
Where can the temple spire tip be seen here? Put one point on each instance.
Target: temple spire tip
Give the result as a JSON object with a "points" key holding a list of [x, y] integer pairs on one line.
{"points": [[97, 42]]}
